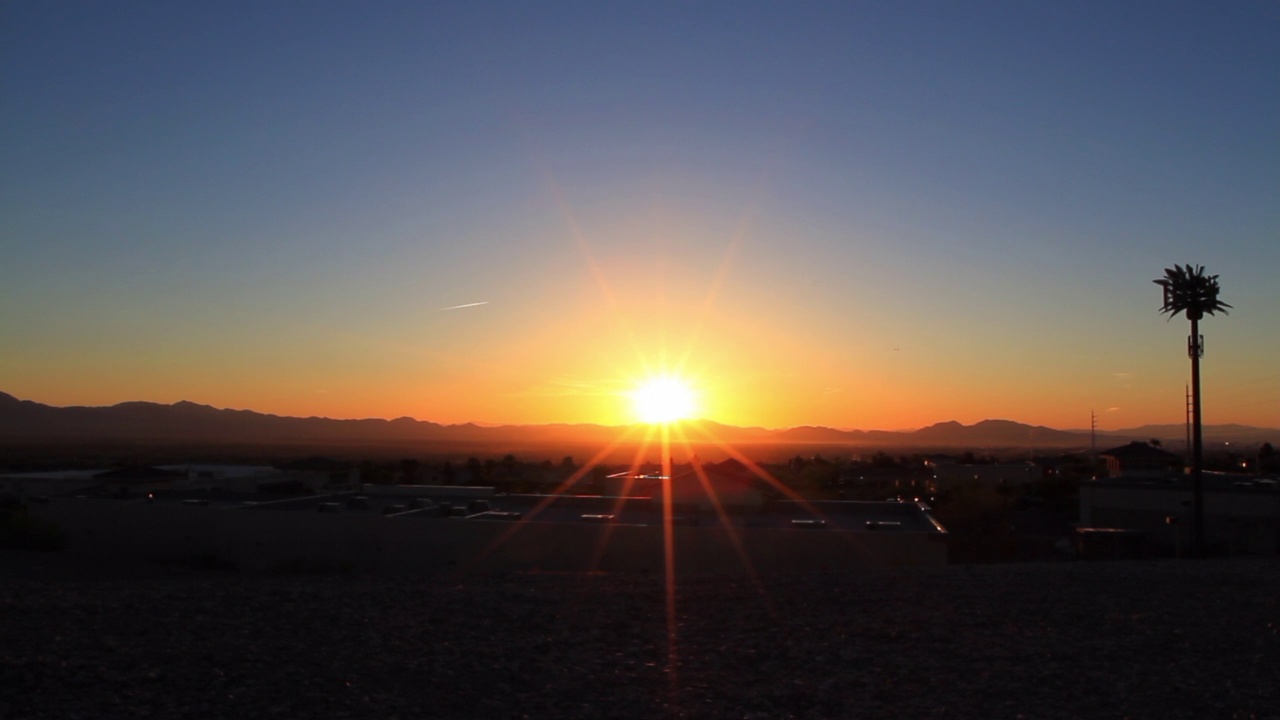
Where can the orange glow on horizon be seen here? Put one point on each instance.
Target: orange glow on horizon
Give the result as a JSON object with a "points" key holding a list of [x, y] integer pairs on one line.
{"points": [[695, 338]]}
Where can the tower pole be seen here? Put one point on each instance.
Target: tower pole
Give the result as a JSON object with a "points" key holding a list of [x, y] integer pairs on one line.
{"points": [[1196, 350], [1093, 439], [1186, 452]]}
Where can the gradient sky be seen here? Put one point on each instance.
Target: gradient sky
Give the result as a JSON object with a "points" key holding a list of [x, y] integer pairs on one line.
{"points": [[870, 215]]}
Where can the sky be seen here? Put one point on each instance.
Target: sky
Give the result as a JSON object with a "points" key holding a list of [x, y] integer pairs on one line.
{"points": [[874, 215]]}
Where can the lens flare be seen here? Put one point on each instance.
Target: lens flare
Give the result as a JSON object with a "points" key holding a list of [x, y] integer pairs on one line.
{"points": [[662, 400]]}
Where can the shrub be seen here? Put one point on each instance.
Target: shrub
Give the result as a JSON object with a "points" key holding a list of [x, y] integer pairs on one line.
{"points": [[306, 566], [19, 530]]}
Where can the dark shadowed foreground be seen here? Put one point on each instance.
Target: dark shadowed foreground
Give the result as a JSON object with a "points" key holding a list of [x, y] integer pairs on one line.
{"points": [[1192, 639]]}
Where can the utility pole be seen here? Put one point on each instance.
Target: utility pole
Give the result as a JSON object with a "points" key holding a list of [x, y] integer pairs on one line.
{"points": [[1093, 438]]}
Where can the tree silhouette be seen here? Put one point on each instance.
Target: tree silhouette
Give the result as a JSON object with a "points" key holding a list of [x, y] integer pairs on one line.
{"points": [[1266, 453], [409, 471], [1189, 291]]}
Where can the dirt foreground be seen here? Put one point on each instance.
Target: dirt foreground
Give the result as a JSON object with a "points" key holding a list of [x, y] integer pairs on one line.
{"points": [[1168, 639]]}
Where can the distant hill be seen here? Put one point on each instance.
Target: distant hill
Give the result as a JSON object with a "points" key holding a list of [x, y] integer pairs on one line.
{"points": [[997, 433], [26, 421], [1211, 433]]}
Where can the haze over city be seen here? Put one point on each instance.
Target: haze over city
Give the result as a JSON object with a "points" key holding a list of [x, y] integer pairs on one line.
{"points": [[872, 216]]}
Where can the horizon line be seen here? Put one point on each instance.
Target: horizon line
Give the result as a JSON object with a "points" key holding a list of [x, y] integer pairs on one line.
{"points": [[497, 425]]}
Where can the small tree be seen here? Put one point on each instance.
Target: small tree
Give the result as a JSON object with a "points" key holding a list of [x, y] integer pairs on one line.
{"points": [[474, 470], [19, 530], [1266, 457], [409, 471]]}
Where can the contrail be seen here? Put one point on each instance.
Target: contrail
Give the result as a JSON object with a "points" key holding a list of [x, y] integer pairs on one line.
{"points": [[466, 305]]}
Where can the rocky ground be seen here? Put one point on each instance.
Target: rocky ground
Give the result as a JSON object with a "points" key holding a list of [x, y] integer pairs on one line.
{"points": [[1166, 639]]}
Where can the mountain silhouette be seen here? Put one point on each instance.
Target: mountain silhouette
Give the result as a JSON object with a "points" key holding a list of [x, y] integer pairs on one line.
{"points": [[27, 421]]}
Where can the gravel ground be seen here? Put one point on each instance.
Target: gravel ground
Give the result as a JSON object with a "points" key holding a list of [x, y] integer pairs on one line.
{"points": [[1190, 639]]}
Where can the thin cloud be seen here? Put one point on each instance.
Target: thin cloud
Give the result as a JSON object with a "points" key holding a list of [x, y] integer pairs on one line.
{"points": [[465, 305], [571, 388]]}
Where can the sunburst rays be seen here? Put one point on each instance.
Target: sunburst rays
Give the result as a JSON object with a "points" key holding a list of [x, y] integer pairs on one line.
{"points": [[668, 431]]}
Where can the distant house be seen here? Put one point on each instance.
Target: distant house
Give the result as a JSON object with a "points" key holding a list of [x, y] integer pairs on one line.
{"points": [[626, 484], [138, 478], [1140, 460], [729, 484], [1240, 517], [861, 474], [948, 474], [319, 472], [57, 482]]}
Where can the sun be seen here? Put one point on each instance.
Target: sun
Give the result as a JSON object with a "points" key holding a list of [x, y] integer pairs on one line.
{"points": [[663, 399]]}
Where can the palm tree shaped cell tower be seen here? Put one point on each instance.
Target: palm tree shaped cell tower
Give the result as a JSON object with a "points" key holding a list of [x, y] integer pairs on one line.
{"points": [[1189, 291]]}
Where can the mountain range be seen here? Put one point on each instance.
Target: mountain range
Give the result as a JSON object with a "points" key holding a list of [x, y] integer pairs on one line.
{"points": [[23, 421]]}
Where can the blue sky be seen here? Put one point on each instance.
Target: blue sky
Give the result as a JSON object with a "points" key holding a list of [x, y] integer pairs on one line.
{"points": [[907, 212]]}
